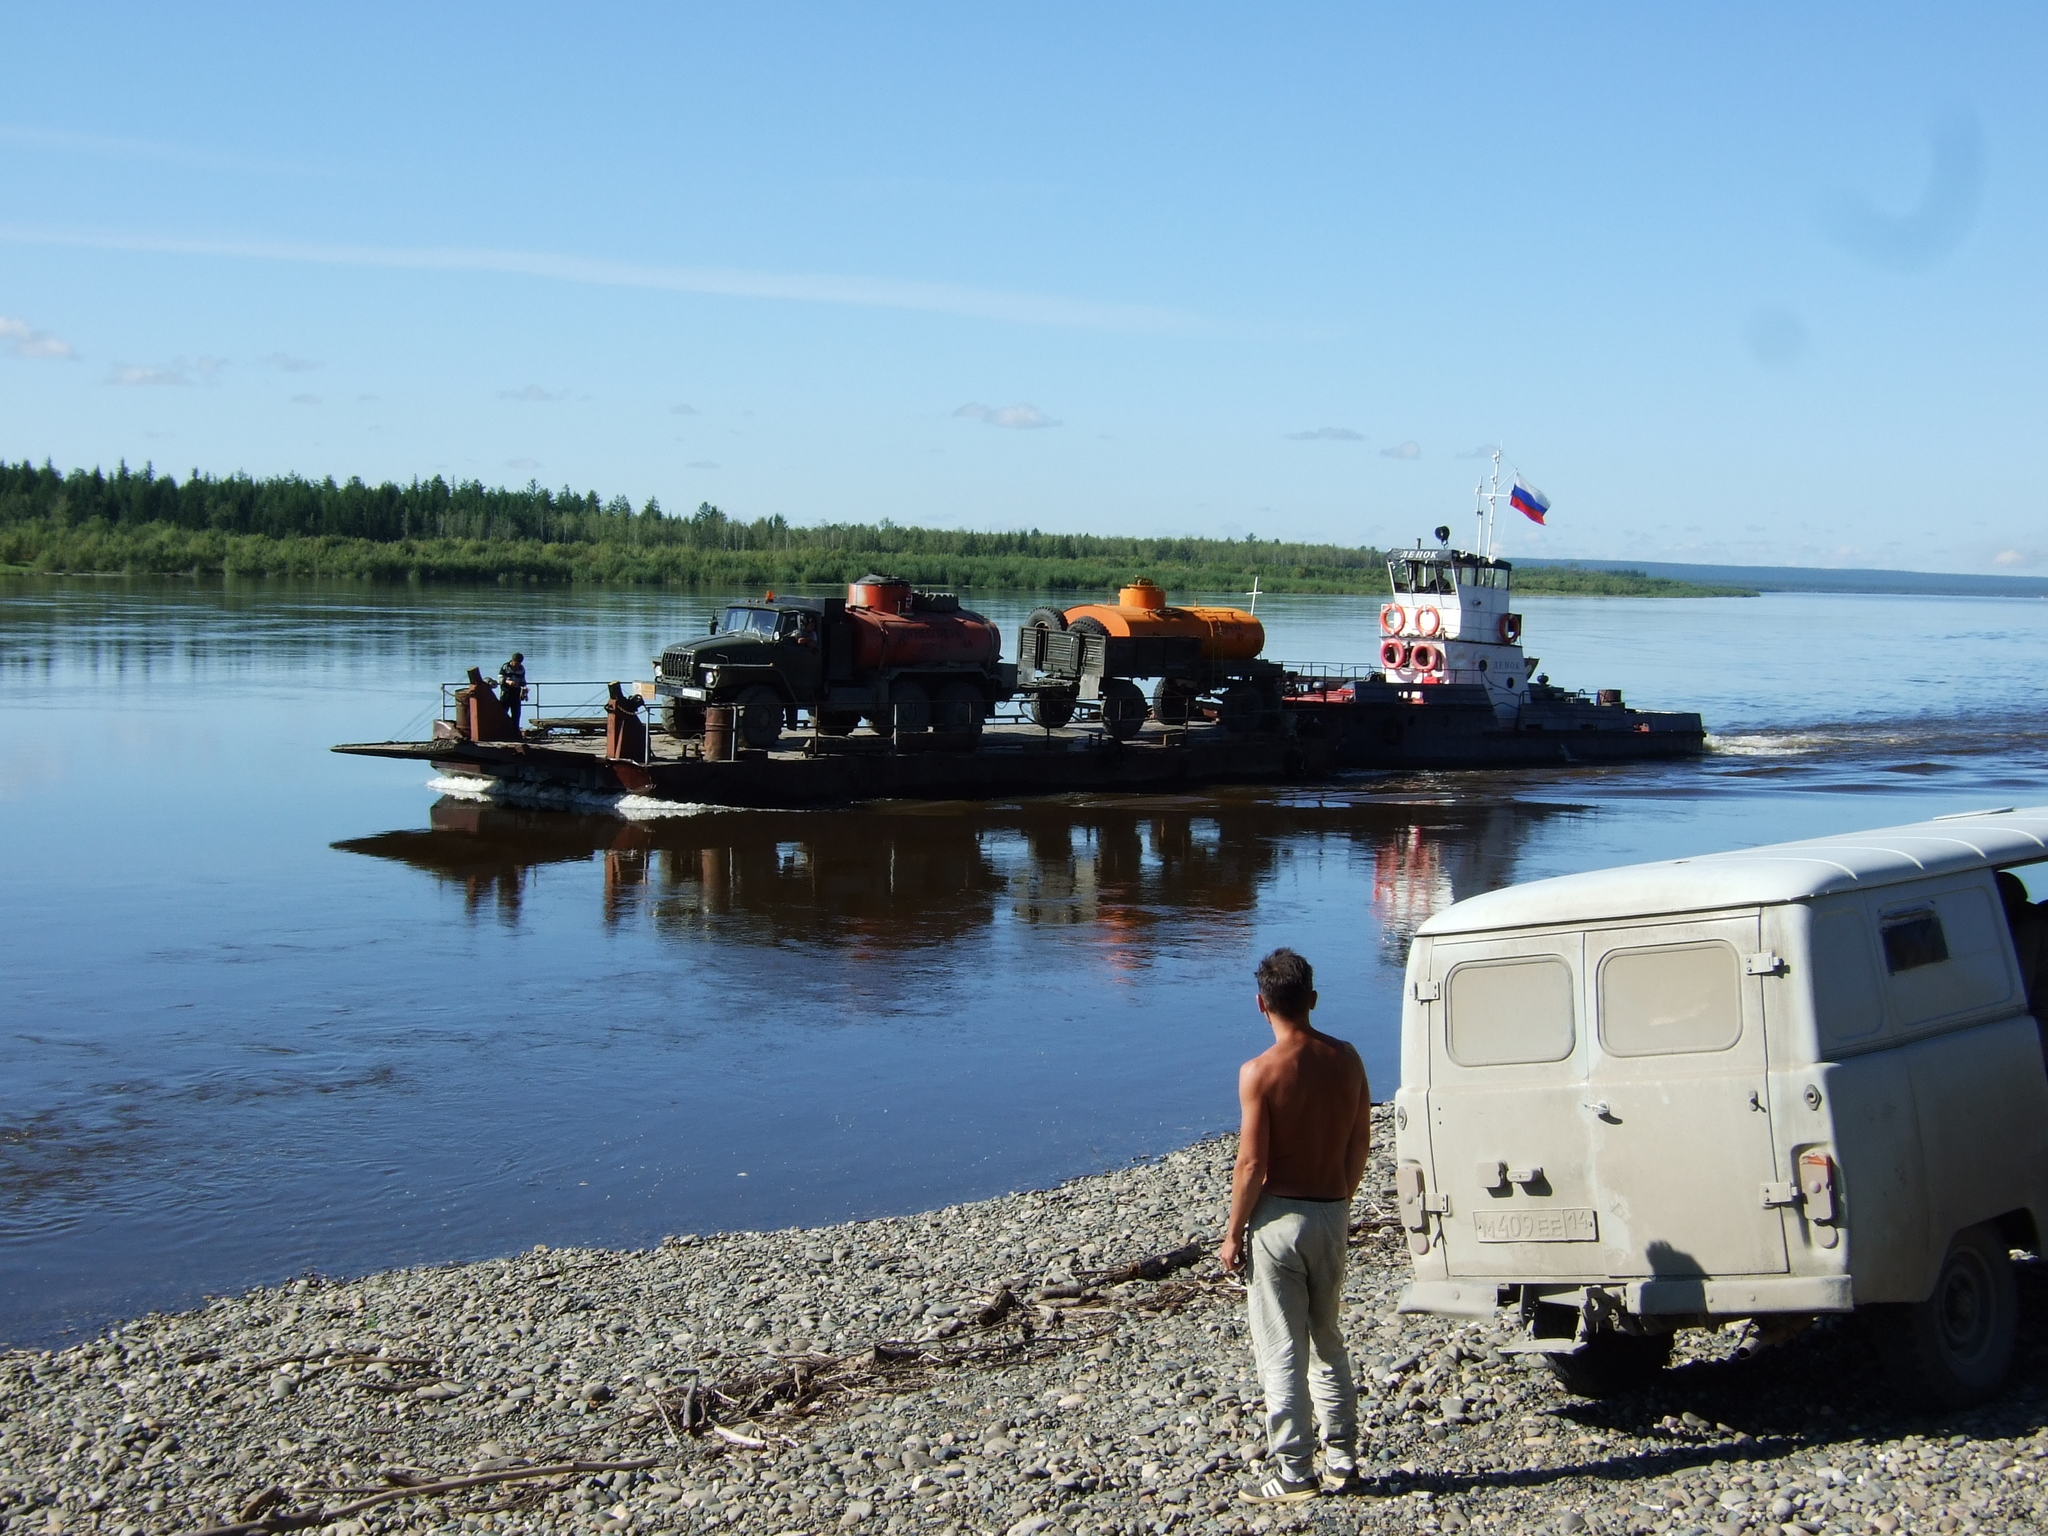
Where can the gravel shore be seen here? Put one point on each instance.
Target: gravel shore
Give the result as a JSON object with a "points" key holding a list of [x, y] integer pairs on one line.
{"points": [[1023, 1389]]}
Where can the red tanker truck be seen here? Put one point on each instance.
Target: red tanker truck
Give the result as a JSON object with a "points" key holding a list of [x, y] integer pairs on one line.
{"points": [[900, 660]]}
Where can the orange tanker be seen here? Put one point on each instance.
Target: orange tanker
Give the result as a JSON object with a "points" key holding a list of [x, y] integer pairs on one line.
{"points": [[1206, 662], [1140, 612]]}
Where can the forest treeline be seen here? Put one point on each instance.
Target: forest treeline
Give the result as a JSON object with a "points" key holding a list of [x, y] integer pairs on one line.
{"points": [[141, 522]]}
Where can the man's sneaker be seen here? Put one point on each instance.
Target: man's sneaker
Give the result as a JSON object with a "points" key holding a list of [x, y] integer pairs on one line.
{"points": [[1280, 1490], [1341, 1480]]}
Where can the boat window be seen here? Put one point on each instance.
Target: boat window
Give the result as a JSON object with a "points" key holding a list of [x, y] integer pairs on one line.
{"points": [[1500, 1013], [760, 621], [1670, 1000]]}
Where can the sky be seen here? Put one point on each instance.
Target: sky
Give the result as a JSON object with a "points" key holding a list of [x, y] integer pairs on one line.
{"points": [[1755, 284]]}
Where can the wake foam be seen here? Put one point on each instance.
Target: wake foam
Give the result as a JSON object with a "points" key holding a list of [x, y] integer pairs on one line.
{"points": [[555, 797]]}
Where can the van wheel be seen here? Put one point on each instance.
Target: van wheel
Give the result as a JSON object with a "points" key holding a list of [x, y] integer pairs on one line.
{"points": [[1955, 1347], [760, 711], [1612, 1363]]}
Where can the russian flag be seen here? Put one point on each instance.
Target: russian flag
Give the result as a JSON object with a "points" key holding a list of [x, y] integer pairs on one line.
{"points": [[1529, 501]]}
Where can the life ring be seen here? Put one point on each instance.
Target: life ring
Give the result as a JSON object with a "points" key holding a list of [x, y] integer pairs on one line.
{"points": [[1428, 621], [1426, 658], [1393, 654], [1393, 618], [1510, 628]]}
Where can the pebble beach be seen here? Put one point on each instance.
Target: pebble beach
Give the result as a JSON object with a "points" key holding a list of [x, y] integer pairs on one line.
{"points": [[1011, 1367]]}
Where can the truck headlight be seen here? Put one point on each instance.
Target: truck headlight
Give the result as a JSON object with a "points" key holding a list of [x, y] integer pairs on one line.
{"points": [[711, 677]]}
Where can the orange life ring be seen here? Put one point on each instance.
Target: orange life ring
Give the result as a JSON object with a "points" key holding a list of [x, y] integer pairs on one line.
{"points": [[1428, 621], [1426, 658], [1393, 654], [1393, 618], [1510, 628]]}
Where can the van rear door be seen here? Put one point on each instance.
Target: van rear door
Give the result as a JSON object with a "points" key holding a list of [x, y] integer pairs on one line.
{"points": [[1677, 1106], [1509, 1144]]}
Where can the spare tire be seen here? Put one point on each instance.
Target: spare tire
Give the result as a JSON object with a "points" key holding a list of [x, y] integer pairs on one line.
{"points": [[1046, 618], [912, 708], [959, 711]]}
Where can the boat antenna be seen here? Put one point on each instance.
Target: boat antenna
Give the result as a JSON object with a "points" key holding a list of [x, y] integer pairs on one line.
{"points": [[1254, 593], [1488, 504]]}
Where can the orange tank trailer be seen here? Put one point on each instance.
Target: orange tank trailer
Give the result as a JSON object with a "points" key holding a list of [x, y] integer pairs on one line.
{"points": [[1140, 612]]}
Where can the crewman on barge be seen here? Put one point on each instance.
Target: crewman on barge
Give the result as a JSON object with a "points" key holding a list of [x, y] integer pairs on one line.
{"points": [[1301, 1148], [512, 686]]}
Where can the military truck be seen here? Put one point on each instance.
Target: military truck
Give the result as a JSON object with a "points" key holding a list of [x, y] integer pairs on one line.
{"points": [[904, 662]]}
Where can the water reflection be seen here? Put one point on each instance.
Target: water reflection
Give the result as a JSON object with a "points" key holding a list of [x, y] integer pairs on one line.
{"points": [[1129, 875]]}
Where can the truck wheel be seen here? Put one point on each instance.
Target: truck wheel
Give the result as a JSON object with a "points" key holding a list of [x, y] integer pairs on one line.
{"points": [[913, 708], [1123, 707], [1051, 710], [1046, 618], [1238, 710], [1173, 703], [1612, 1363], [838, 722], [958, 711], [760, 717], [1954, 1348], [681, 719]]}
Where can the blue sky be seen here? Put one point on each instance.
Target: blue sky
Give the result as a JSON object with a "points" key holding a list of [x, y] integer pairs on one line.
{"points": [[1732, 283]]}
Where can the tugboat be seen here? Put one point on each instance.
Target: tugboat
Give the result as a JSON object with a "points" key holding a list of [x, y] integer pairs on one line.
{"points": [[1454, 688]]}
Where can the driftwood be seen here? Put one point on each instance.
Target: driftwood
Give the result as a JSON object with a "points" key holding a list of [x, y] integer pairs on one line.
{"points": [[262, 1513], [1157, 1267]]}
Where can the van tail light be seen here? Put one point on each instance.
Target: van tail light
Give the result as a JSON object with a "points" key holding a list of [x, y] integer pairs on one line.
{"points": [[1817, 1185]]}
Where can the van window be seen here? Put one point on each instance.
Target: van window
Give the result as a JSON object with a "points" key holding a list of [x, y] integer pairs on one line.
{"points": [[1913, 939], [1845, 1000], [1669, 1000], [1946, 956], [1502, 1013]]}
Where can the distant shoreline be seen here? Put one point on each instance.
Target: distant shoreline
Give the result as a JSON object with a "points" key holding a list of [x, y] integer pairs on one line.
{"points": [[165, 549]]}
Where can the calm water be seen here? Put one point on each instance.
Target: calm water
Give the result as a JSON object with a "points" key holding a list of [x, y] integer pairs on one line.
{"points": [[270, 1010]]}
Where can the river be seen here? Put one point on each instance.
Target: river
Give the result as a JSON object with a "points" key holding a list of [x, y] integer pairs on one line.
{"points": [[270, 1010]]}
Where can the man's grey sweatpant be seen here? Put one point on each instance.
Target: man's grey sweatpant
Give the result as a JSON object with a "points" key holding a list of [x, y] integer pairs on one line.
{"points": [[1296, 1256]]}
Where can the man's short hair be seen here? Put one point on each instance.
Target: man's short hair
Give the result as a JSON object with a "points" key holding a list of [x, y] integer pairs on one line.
{"points": [[1287, 985]]}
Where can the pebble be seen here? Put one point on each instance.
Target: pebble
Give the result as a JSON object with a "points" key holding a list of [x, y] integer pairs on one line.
{"points": [[1134, 1423]]}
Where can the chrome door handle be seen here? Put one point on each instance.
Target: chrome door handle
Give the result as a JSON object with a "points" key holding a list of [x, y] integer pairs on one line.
{"points": [[1600, 1110]]}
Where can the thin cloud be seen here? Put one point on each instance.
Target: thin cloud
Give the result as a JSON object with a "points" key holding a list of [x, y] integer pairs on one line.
{"points": [[524, 463], [111, 146], [1327, 435], [305, 399], [533, 394], [285, 362], [1020, 417], [807, 288], [1408, 450], [701, 464], [1483, 451], [682, 410], [20, 339], [176, 374]]}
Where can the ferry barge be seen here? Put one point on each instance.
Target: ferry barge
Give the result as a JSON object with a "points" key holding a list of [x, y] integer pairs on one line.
{"points": [[892, 693]]}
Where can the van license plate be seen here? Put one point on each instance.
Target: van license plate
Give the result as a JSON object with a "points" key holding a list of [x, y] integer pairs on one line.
{"points": [[1564, 1224]]}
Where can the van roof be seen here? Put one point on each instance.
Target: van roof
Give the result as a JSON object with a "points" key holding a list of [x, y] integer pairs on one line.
{"points": [[1754, 877]]}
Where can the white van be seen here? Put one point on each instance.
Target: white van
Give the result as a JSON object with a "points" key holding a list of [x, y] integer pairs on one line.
{"points": [[1769, 1084]]}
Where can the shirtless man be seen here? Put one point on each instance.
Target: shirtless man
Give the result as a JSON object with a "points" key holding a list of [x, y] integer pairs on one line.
{"points": [[1300, 1154]]}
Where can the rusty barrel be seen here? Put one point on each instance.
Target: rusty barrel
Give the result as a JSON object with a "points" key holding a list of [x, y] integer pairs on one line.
{"points": [[718, 720]]}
